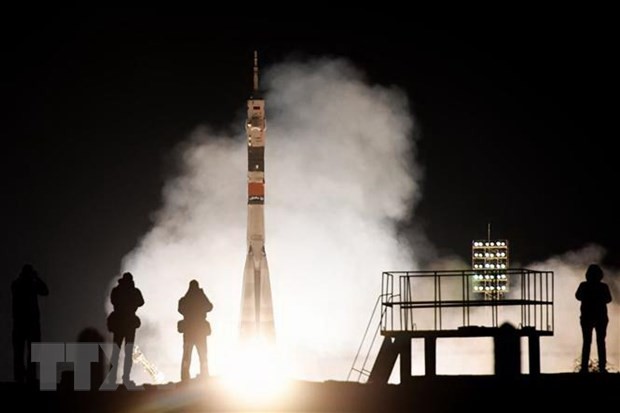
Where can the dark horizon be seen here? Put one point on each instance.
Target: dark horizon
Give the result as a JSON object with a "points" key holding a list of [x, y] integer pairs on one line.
{"points": [[512, 125]]}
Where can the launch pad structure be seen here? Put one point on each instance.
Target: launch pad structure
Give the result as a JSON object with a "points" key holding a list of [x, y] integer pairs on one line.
{"points": [[430, 305]]}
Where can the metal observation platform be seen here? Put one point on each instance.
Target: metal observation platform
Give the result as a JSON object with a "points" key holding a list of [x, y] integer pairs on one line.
{"points": [[444, 304]]}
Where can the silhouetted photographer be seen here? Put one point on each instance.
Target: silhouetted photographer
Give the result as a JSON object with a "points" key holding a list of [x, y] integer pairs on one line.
{"points": [[26, 321], [594, 296], [194, 306], [123, 322]]}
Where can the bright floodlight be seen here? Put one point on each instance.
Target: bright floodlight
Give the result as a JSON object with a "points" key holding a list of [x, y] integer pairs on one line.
{"points": [[491, 256]]}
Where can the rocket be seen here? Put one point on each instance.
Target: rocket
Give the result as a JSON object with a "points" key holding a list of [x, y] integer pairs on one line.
{"points": [[256, 305]]}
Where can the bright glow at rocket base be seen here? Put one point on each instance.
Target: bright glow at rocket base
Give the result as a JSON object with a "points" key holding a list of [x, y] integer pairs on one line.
{"points": [[341, 174], [256, 373]]}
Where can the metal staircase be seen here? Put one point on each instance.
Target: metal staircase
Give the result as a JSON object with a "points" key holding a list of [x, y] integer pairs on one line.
{"points": [[386, 355]]}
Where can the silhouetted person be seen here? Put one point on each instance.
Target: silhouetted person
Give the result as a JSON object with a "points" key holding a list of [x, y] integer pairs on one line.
{"points": [[123, 322], [194, 306], [594, 296], [26, 321], [98, 369]]}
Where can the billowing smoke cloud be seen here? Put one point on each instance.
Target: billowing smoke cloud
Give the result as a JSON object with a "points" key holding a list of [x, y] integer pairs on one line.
{"points": [[339, 177]]}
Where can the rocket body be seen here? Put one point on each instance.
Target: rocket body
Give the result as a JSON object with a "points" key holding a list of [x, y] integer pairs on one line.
{"points": [[257, 320]]}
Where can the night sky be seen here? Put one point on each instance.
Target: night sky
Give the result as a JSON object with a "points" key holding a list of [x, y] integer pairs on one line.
{"points": [[514, 126]]}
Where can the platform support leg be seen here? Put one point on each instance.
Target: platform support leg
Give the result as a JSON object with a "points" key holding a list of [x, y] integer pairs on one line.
{"points": [[430, 356], [533, 342], [404, 351]]}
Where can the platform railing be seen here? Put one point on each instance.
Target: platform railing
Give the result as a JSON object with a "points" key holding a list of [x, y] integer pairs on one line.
{"points": [[440, 300]]}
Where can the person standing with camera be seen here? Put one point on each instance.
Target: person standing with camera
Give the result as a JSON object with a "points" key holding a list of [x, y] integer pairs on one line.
{"points": [[123, 323], [25, 291], [194, 306]]}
